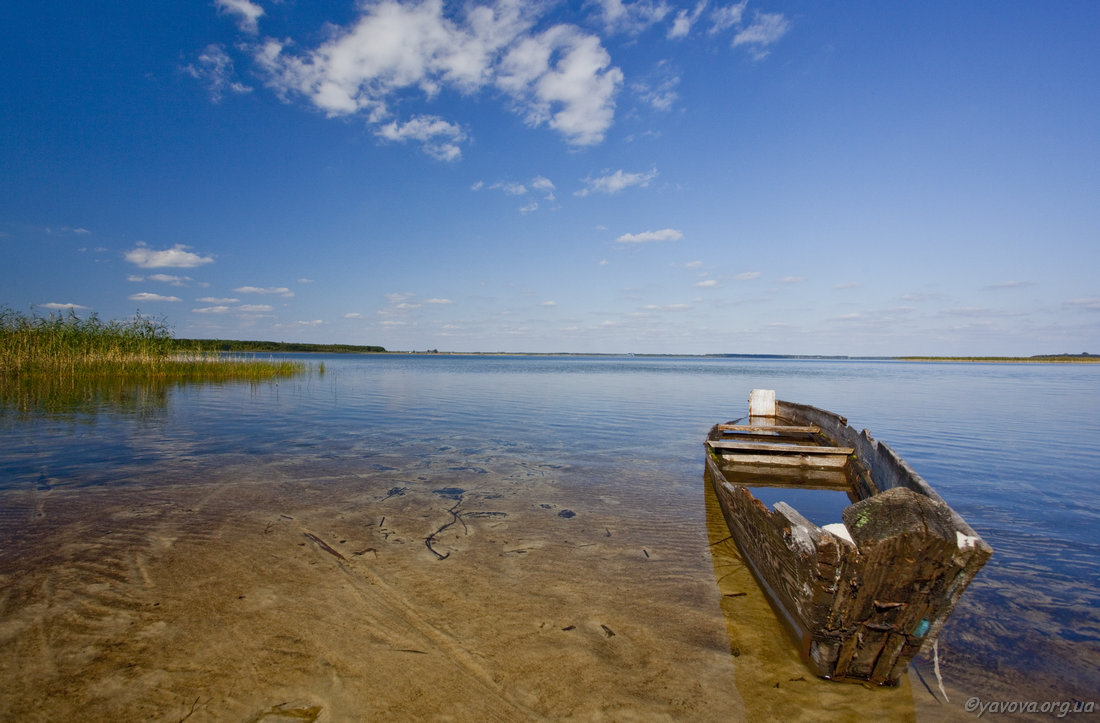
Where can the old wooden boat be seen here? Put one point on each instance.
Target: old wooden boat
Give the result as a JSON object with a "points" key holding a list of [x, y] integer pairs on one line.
{"points": [[866, 593]]}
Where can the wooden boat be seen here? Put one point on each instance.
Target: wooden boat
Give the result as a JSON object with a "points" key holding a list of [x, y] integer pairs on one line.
{"points": [[862, 595]]}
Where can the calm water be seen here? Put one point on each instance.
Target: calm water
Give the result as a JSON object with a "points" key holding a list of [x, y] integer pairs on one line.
{"points": [[1014, 449]]}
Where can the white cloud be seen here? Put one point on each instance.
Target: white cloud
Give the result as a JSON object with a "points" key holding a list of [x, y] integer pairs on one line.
{"points": [[438, 138], [280, 290], [512, 189], [255, 308], [631, 17], [176, 257], [616, 182], [215, 300], [681, 26], [561, 77], [438, 301], [305, 281], [246, 13], [353, 315], [661, 96], [170, 279], [747, 275], [766, 29], [543, 185], [314, 322], [533, 206], [792, 279], [727, 17], [667, 234], [549, 303], [707, 283], [59, 306], [574, 95], [215, 71], [146, 296], [211, 309]]}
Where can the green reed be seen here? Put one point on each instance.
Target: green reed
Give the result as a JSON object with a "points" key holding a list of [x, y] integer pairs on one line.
{"points": [[61, 346]]}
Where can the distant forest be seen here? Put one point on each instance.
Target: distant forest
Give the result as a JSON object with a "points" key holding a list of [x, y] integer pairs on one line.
{"points": [[271, 346]]}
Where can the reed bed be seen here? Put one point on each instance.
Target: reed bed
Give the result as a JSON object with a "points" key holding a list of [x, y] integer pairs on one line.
{"points": [[67, 346]]}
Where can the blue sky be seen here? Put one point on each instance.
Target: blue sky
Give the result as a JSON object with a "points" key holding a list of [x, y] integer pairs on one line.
{"points": [[605, 176]]}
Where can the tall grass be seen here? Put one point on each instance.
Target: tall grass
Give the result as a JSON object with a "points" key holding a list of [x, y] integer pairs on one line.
{"points": [[62, 346]]}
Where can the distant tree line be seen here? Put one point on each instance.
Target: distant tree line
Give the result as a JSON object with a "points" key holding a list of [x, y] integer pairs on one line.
{"points": [[234, 345]]}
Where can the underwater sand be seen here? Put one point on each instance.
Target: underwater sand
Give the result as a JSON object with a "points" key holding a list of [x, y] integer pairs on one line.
{"points": [[399, 592]]}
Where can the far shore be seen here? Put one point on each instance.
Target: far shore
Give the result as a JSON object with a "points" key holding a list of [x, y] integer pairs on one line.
{"points": [[1040, 359]]}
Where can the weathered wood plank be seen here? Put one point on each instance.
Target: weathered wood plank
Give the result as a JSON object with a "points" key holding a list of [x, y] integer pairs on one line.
{"points": [[784, 460], [777, 447], [779, 428]]}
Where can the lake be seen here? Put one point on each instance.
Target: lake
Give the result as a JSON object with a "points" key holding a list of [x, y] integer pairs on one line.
{"points": [[502, 537]]}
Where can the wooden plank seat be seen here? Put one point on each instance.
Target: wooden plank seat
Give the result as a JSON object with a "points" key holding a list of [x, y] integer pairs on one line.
{"points": [[739, 445], [773, 428]]}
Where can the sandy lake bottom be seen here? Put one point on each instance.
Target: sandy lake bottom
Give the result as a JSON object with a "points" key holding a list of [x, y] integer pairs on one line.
{"points": [[408, 590]]}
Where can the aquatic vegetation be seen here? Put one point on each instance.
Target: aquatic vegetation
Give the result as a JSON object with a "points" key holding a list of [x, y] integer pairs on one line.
{"points": [[66, 346]]}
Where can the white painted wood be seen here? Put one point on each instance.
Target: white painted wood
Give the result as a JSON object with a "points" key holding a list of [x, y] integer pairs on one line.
{"points": [[762, 403]]}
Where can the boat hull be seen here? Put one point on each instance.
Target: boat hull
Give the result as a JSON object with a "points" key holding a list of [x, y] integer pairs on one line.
{"points": [[861, 600]]}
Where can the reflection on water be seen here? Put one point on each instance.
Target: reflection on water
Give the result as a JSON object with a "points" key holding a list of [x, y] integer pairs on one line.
{"points": [[133, 518], [82, 395]]}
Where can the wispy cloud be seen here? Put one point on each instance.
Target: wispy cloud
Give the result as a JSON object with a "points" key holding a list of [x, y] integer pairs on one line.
{"points": [[58, 306], [616, 182], [163, 278], [748, 275], [280, 290], [538, 183], [220, 309], [438, 138], [1010, 285], [681, 26], [176, 257], [246, 13], [659, 90], [631, 17], [543, 185], [724, 18], [665, 234], [147, 296], [707, 283], [214, 70], [255, 308], [1091, 303], [792, 279], [438, 301], [766, 30], [215, 300]]}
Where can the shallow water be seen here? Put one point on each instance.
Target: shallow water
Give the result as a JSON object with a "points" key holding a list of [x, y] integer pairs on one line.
{"points": [[506, 537]]}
